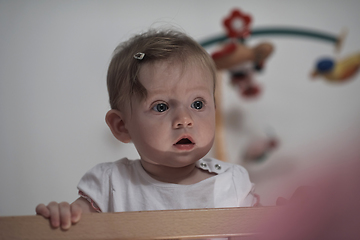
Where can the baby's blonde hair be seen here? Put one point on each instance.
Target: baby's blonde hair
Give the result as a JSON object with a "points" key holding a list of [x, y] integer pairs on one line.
{"points": [[157, 45]]}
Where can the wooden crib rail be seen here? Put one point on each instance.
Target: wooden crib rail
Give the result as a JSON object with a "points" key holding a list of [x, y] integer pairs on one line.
{"points": [[234, 223]]}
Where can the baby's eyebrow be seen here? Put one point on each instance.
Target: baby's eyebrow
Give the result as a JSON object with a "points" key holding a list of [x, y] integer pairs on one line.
{"points": [[162, 91], [200, 88]]}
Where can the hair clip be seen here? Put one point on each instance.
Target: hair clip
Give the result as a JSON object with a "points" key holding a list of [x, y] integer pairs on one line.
{"points": [[139, 56]]}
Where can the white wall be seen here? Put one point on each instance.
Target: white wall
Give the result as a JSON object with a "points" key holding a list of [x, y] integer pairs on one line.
{"points": [[53, 99]]}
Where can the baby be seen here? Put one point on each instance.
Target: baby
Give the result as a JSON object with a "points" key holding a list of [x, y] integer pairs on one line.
{"points": [[161, 87]]}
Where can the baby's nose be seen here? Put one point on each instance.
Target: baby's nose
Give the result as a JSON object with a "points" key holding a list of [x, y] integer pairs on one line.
{"points": [[183, 119]]}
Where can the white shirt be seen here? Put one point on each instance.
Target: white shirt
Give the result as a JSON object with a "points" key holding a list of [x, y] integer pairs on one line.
{"points": [[125, 186]]}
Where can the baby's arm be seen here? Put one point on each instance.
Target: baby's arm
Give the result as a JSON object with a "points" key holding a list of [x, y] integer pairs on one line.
{"points": [[64, 214]]}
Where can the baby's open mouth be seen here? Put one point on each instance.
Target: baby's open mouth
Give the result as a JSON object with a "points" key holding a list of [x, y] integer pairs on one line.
{"points": [[184, 141]]}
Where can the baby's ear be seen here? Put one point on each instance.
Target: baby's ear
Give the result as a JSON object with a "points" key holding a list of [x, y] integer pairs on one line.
{"points": [[116, 124]]}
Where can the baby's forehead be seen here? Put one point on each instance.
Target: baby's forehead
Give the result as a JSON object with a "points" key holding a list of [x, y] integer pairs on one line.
{"points": [[161, 73], [182, 64]]}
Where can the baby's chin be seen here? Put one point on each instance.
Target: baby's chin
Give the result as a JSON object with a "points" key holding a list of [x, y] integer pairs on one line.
{"points": [[178, 161], [173, 158]]}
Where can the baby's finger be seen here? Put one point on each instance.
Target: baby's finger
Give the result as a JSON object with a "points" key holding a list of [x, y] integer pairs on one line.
{"points": [[76, 212], [281, 201], [65, 215], [303, 193], [54, 214], [42, 210]]}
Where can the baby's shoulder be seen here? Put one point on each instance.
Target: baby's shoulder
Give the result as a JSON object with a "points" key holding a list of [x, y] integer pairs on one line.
{"points": [[107, 168]]}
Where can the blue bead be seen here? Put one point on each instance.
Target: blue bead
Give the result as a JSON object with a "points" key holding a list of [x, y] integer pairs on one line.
{"points": [[325, 65]]}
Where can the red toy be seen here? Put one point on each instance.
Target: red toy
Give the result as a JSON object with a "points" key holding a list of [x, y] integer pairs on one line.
{"points": [[239, 59]]}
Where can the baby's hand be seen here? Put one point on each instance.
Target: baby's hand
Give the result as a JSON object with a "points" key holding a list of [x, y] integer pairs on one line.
{"points": [[300, 195], [61, 214]]}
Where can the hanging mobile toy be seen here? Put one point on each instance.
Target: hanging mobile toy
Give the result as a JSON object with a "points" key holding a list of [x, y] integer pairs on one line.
{"points": [[259, 149], [240, 60], [338, 71]]}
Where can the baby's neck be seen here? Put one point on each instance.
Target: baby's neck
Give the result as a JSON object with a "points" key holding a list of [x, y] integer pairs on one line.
{"points": [[185, 175]]}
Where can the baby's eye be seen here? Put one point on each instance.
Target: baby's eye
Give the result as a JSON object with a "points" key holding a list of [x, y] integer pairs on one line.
{"points": [[160, 107], [197, 105]]}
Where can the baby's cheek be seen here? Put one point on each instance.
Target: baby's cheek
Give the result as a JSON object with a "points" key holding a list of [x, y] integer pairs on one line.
{"points": [[153, 136], [209, 123], [207, 133]]}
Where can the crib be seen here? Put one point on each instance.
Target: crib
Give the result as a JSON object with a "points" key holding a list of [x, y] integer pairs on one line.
{"points": [[231, 223]]}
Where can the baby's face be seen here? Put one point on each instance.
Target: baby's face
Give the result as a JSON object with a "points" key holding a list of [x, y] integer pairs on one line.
{"points": [[175, 125]]}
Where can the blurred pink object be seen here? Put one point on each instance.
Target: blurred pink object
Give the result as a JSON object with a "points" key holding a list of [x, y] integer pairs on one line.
{"points": [[329, 211]]}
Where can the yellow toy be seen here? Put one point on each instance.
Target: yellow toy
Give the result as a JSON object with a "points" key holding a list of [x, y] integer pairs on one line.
{"points": [[338, 71]]}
